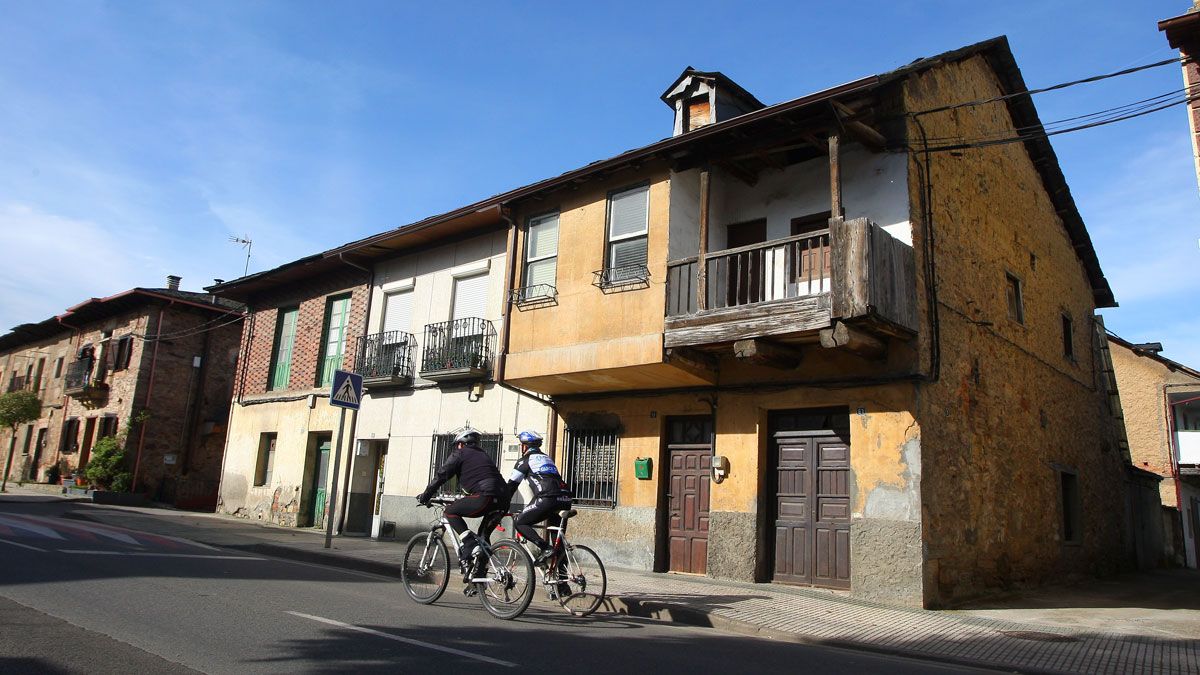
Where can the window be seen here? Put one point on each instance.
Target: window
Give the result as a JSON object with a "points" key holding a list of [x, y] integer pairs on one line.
{"points": [[266, 459], [470, 297], [628, 227], [28, 440], [592, 466], [58, 366], [70, 436], [285, 339], [698, 112], [108, 427], [124, 352], [333, 339], [541, 257], [1072, 526], [443, 445], [1016, 303], [41, 370], [397, 311], [1068, 337]]}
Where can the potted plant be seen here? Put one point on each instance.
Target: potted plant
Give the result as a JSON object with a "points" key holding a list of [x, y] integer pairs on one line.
{"points": [[106, 471]]}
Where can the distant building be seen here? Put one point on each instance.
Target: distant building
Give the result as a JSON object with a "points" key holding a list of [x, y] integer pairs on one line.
{"points": [[153, 366]]}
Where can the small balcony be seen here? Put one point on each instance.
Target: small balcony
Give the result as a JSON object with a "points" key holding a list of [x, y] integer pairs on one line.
{"points": [[386, 359], [20, 383], [458, 350], [80, 383], [791, 289]]}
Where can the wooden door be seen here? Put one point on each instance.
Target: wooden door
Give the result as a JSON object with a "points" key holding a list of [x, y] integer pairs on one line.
{"points": [[812, 508], [689, 449], [319, 478]]}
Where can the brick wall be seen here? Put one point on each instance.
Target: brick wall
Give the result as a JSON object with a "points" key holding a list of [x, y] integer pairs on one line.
{"points": [[258, 339]]}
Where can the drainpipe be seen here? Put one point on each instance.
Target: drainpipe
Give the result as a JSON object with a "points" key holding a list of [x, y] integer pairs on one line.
{"points": [[344, 507], [137, 462]]}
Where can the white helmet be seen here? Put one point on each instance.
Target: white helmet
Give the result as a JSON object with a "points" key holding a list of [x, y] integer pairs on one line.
{"points": [[467, 435]]}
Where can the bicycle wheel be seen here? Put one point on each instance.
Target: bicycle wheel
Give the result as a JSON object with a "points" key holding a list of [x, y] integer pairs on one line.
{"points": [[509, 588], [582, 573], [426, 568]]}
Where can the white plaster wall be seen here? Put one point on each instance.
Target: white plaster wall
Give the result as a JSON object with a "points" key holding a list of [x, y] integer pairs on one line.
{"points": [[874, 186]]}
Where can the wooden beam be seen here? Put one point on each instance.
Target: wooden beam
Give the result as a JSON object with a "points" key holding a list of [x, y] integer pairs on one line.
{"points": [[741, 173], [835, 177], [853, 340], [701, 268], [865, 134], [763, 353], [692, 358]]}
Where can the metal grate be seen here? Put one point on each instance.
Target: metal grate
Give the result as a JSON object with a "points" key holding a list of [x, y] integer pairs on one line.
{"points": [[78, 374], [592, 466], [385, 355], [463, 344], [443, 445], [623, 277], [537, 293]]}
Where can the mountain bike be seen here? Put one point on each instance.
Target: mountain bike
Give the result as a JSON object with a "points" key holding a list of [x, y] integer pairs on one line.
{"points": [[573, 575], [501, 574]]}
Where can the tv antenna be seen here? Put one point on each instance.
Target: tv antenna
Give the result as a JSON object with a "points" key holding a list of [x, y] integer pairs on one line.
{"points": [[246, 244]]}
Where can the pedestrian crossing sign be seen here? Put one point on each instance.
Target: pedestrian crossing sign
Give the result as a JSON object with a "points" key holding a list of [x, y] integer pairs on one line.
{"points": [[347, 389]]}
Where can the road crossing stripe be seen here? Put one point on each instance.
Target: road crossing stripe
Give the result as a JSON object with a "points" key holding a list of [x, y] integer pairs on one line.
{"points": [[30, 527], [159, 555], [410, 641], [102, 528], [31, 548]]}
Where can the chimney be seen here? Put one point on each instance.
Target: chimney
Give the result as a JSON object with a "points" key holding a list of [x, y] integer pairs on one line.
{"points": [[702, 98], [173, 282]]}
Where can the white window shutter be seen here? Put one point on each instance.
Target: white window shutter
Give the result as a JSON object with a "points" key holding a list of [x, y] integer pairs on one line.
{"points": [[397, 312], [628, 213], [470, 297], [543, 237]]}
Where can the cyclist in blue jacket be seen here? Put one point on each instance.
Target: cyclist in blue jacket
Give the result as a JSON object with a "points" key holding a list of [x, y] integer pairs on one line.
{"points": [[550, 493]]}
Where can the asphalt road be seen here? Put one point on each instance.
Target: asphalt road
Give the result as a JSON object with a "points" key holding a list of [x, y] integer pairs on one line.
{"points": [[81, 597]]}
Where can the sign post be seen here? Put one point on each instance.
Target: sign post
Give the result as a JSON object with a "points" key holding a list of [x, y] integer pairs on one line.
{"points": [[345, 393]]}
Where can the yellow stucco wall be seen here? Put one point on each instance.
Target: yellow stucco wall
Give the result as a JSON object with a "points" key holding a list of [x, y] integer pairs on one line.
{"points": [[1141, 381]]}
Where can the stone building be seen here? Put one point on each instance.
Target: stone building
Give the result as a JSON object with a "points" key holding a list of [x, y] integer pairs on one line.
{"points": [[151, 366], [1160, 404], [302, 318]]}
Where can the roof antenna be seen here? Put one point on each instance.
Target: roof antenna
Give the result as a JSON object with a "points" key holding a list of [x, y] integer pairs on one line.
{"points": [[246, 244]]}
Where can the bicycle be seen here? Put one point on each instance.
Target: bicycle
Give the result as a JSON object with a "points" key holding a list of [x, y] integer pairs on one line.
{"points": [[573, 574], [503, 580]]}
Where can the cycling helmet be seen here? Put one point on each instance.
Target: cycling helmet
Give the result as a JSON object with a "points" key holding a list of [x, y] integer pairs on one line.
{"points": [[531, 438], [468, 436]]}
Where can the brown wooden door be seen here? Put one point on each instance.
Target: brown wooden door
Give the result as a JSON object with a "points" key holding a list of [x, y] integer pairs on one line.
{"points": [[689, 448], [812, 508]]}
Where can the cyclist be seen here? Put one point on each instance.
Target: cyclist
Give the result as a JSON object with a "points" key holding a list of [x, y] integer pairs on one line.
{"points": [[485, 487], [550, 493]]}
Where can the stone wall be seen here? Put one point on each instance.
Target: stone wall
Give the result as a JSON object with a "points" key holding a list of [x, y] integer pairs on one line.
{"points": [[1010, 410]]}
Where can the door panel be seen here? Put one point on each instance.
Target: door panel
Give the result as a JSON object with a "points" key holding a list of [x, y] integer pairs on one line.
{"points": [[689, 447], [319, 478], [812, 508]]}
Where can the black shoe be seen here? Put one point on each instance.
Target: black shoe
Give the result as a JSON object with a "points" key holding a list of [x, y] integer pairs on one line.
{"points": [[470, 591], [542, 557]]}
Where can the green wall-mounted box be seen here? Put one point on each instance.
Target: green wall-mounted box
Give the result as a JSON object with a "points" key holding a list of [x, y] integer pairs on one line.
{"points": [[641, 468]]}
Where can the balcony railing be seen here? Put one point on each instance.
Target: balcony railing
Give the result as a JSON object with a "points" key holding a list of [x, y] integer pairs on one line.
{"points": [[775, 270], [19, 383], [459, 349], [385, 358], [79, 380]]}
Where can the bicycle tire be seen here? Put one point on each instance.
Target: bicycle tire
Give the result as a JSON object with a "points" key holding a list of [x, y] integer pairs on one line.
{"points": [[583, 573], [510, 585], [426, 569]]}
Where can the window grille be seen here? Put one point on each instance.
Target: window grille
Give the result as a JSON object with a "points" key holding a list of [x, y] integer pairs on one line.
{"points": [[592, 466], [443, 445]]}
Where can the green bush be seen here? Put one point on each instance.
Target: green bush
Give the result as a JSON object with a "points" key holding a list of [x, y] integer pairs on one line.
{"points": [[122, 482], [53, 474], [107, 464]]}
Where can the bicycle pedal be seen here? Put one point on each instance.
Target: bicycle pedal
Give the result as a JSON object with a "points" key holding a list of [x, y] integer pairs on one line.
{"points": [[470, 591]]}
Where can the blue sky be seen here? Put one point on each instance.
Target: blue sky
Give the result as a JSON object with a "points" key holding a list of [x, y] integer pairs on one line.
{"points": [[137, 137]]}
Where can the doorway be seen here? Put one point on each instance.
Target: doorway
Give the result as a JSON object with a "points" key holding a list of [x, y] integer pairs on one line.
{"points": [[89, 434], [38, 446], [689, 481], [810, 504], [317, 479]]}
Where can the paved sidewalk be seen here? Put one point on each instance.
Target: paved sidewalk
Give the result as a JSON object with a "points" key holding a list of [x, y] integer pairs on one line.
{"points": [[1111, 630]]}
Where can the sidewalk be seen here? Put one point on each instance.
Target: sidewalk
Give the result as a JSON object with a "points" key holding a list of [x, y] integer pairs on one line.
{"points": [[1139, 624]]}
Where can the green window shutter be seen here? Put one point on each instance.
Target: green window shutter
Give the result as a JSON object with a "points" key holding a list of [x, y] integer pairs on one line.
{"points": [[337, 316], [285, 340]]}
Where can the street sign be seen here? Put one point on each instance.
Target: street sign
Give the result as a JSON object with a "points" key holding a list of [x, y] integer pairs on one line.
{"points": [[347, 389]]}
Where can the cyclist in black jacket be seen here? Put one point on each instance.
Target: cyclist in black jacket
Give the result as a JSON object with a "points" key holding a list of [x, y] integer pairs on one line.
{"points": [[550, 493], [478, 475]]}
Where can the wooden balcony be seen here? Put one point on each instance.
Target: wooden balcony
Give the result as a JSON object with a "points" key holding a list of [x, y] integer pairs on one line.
{"points": [[791, 289]]}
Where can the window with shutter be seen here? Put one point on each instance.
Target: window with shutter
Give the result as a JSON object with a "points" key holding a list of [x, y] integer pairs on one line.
{"points": [[333, 342], [628, 226], [397, 312], [541, 257], [470, 297], [285, 338]]}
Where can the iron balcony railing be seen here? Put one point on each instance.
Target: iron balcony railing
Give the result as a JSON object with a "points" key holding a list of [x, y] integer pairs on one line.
{"points": [[19, 383], [459, 347], [775, 270], [78, 375], [385, 356]]}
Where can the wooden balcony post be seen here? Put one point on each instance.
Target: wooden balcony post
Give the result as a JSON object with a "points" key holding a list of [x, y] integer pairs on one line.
{"points": [[835, 177], [701, 267]]}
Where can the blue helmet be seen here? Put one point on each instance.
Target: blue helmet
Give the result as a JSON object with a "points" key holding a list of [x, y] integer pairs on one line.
{"points": [[531, 438]]}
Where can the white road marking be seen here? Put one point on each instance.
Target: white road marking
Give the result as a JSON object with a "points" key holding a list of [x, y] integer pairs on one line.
{"points": [[31, 548], [29, 527], [410, 641], [160, 555]]}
